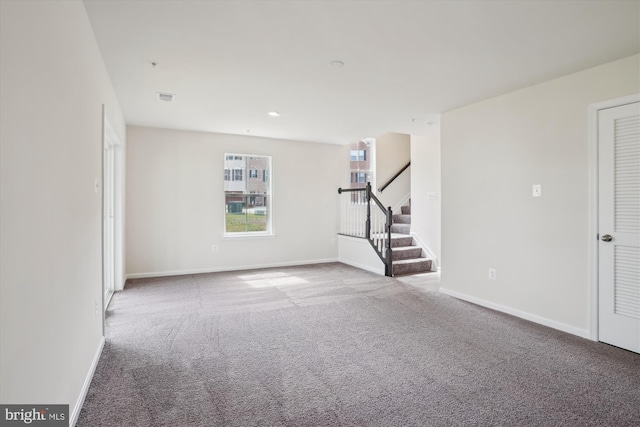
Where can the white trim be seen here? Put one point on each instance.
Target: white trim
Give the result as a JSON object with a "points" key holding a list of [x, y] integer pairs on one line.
{"points": [[379, 271], [617, 102], [221, 269], [111, 134], [593, 204], [249, 235], [270, 232], [73, 419], [397, 208], [435, 265], [111, 138], [584, 333], [108, 301], [593, 222]]}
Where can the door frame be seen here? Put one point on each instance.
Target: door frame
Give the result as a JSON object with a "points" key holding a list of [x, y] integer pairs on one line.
{"points": [[594, 109], [108, 216], [110, 138]]}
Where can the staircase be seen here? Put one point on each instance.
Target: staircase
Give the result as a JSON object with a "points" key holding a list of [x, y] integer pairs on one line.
{"points": [[407, 258]]}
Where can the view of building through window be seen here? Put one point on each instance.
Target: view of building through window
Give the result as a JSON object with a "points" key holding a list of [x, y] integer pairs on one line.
{"points": [[361, 163], [247, 192]]}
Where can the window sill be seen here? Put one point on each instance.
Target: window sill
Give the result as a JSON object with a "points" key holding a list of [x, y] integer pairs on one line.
{"points": [[248, 236]]}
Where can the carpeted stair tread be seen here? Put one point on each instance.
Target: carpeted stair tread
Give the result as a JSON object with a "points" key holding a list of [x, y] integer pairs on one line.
{"points": [[398, 240], [406, 252], [411, 261], [402, 219], [401, 228], [411, 266], [407, 258]]}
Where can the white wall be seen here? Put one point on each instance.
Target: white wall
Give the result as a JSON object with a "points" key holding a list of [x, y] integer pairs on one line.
{"points": [[425, 183], [492, 153], [175, 202], [359, 253], [393, 151], [53, 84]]}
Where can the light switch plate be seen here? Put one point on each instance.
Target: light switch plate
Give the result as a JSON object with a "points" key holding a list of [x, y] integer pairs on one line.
{"points": [[537, 190]]}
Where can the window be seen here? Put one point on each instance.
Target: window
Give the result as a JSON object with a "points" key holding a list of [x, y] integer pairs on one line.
{"points": [[247, 202], [358, 177], [362, 155], [358, 155], [227, 175]]}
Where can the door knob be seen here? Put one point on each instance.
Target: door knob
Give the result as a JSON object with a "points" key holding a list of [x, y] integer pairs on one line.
{"points": [[607, 238]]}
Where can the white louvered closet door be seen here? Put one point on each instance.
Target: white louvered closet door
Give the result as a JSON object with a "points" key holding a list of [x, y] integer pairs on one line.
{"points": [[619, 226]]}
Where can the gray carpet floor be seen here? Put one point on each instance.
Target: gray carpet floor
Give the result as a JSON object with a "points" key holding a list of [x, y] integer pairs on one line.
{"points": [[331, 345]]}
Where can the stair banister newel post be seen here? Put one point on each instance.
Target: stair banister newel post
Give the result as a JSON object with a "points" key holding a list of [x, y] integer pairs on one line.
{"points": [[380, 239], [367, 231], [389, 251]]}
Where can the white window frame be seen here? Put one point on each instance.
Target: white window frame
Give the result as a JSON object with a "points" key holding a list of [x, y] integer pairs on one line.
{"points": [[360, 155], [269, 200]]}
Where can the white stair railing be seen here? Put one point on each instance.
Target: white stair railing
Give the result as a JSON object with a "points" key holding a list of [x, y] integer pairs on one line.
{"points": [[357, 219]]}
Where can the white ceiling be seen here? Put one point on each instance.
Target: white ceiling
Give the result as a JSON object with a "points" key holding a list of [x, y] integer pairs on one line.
{"points": [[231, 62]]}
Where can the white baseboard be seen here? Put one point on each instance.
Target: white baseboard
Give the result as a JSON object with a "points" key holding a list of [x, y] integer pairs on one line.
{"points": [[518, 313], [108, 301], [221, 269], [85, 387], [364, 267], [357, 252], [121, 284]]}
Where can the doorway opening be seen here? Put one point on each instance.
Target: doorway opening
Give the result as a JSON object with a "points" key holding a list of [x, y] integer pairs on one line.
{"points": [[110, 213]]}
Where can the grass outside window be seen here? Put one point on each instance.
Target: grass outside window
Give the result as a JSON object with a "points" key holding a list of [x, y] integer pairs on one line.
{"points": [[245, 222]]}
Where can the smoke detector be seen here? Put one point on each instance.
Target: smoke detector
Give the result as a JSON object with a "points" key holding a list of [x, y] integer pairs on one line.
{"points": [[166, 97]]}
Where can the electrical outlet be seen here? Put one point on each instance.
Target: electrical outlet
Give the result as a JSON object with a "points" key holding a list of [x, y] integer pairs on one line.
{"points": [[536, 190], [95, 307], [333, 241], [492, 273], [214, 248]]}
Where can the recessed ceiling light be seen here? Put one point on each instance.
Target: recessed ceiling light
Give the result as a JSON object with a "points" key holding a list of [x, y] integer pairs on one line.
{"points": [[337, 64], [273, 114], [166, 97]]}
